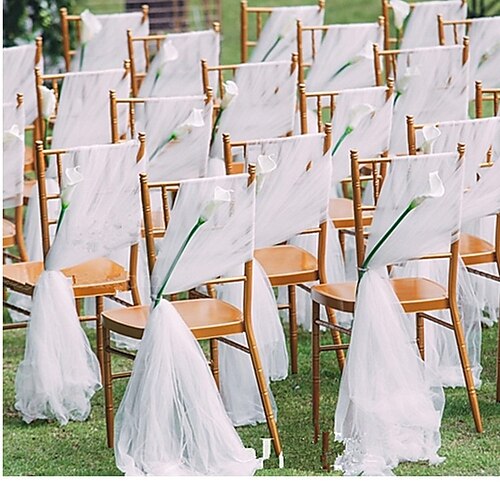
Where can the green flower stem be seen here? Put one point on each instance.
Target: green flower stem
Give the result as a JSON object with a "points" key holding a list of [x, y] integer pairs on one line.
{"points": [[216, 125], [157, 75], [364, 267], [398, 95], [346, 132], [170, 138], [273, 46], [82, 53], [195, 228], [64, 207], [46, 133], [342, 68]]}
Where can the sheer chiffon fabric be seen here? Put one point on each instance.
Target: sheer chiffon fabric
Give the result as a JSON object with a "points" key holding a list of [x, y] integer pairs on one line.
{"points": [[278, 39], [13, 155], [185, 430], [59, 372], [184, 157], [20, 77], [390, 403], [107, 49], [431, 85], [422, 27], [344, 59], [180, 74], [266, 99]]}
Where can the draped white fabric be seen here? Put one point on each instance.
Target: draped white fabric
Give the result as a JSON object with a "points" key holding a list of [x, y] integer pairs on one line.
{"points": [[107, 49], [431, 85], [81, 115], [344, 59], [264, 106], [289, 200], [484, 35], [178, 65], [13, 154], [278, 39], [390, 405], [59, 372], [185, 429], [370, 137], [20, 77], [422, 27], [185, 155]]}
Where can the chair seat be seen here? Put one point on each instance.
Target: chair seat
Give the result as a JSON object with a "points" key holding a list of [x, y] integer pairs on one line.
{"points": [[95, 277], [415, 295], [474, 250], [206, 318], [9, 233], [341, 212], [287, 264]]}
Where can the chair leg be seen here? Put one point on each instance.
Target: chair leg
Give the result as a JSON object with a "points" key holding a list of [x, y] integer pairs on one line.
{"points": [[315, 369], [262, 385], [108, 388], [337, 339], [464, 359], [99, 307], [23, 252], [292, 314], [420, 335], [214, 358]]}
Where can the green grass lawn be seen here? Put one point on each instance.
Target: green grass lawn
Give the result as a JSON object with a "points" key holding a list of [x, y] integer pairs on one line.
{"points": [[79, 448]]}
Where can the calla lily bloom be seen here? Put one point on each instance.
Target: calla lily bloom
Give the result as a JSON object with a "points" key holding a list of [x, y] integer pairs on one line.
{"points": [[71, 177], [220, 197], [230, 92], [435, 189], [48, 102], [265, 165], [430, 133], [401, 11], [168, 52], [11, 135], [91, 26]]}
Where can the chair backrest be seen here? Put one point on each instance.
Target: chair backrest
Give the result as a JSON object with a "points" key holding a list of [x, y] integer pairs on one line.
{"points": [[265, 103], [19, 78], [483, 97], [394, 193], [178, 131], [171, 61], [275, 40], [78, 119], [101, 213], [417, 28], [292, 198], [342, 58], [107, 48], [13, 152], [209, 231]]}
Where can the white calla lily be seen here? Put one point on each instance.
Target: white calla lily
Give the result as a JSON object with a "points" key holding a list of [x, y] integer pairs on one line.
{"points": [[230, 92], [435, 189], [358, 113], [90, 26], [194, 120], [168, 52], [430, 134], [401, 11], [220, 197], [287, 28], [11, 135], [71, 177], [410, 73], [265, 165], [48, 102], [365, 54]]}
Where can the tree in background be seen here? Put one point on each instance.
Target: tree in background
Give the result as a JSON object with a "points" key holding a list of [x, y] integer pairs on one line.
{"points": [[24, 20]]}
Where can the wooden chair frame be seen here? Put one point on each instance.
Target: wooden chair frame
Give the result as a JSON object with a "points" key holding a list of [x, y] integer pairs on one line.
{"points": [[442, 32], [17, 238], [302, 31], [215, 334], [410, 306], [147, 41], [390, 58], [67, 20], [132, 102], [486, 95], [259, 12], [291, 279]]}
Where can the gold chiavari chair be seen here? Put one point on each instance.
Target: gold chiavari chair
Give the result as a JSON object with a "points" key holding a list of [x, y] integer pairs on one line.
{"points": [[67, 20], [286, 265], [391, 66], [485, 96], [151, 44], [98, 278], [208, 318], [416, 295], [13, 230], [314, 32], [455, 24], [472, 249], [260, 13]]}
